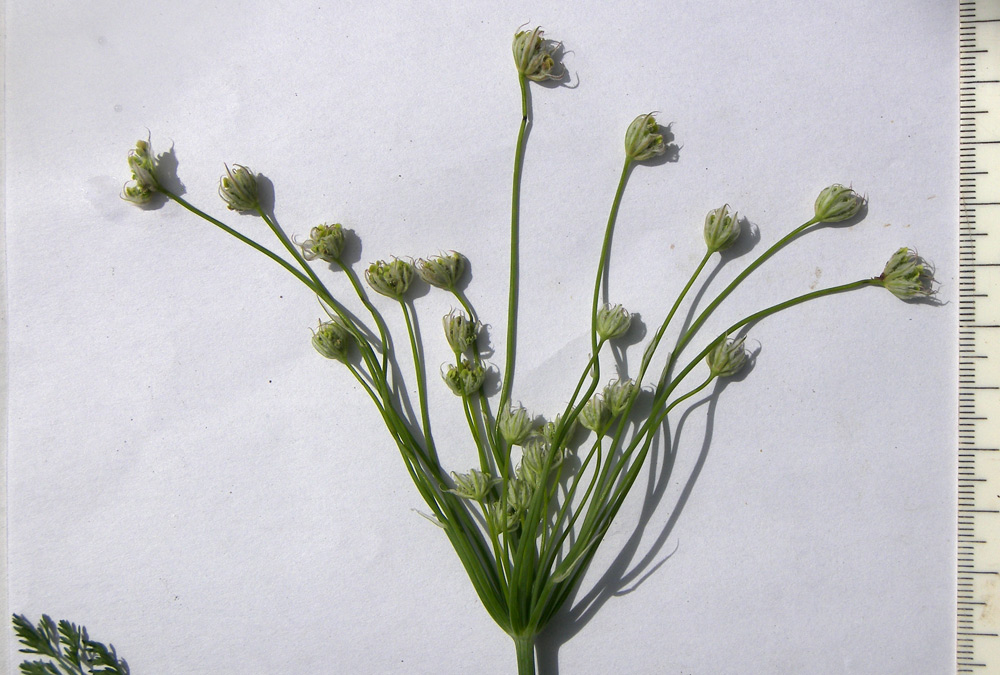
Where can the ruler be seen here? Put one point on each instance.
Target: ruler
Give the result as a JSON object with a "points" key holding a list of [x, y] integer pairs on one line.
{"points": [[978, 540]]}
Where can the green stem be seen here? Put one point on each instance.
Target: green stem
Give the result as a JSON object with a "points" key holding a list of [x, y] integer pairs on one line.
{"points": [[418, 366], [246, 240], [601, 522], [757, 316], [484, 407], [321, 290], [515, 216], [484, 463], [383, 330], [646, 359], [736, 282], [525, 646], [605, 252], [654, 343], [291, 248]]}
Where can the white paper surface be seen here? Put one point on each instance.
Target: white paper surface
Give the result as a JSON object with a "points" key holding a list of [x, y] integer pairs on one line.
{"points": [[191, 481]]}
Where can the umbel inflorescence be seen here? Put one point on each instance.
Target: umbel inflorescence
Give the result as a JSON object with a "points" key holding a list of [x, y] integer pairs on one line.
{"points": [[524, 525]]}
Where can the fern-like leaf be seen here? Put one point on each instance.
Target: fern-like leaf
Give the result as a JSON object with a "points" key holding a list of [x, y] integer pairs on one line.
{"points": [[67, 646]]}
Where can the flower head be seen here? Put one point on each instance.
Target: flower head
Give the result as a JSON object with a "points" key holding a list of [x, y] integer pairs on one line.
{"points": [[643, 139], [443, 271], [550, 430], [727, 357], [612, 321], [596, 414], [533, 460], [460, 330], [907, 275], [142, 163], [238, 188], [515, 425], [837, 203], [391, 279], [333, 340], [325, 242], [534, 56], [500, 518], [519, 494], [619, 394], [722, 229], [464, 379], [474, 485]]}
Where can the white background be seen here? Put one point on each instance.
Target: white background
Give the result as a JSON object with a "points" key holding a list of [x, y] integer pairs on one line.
{"points": [[191, 481]]}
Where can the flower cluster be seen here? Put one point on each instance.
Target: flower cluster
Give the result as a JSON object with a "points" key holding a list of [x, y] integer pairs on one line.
{"points": [[238, 189], [325, 242], [643, 139], [392, 279], [140, 189], [907, 275], [526, 522], [443, 271], [534, 56]]}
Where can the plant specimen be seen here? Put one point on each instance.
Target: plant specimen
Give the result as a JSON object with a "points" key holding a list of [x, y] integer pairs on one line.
{"points": [[524, 522], [66, 649]]}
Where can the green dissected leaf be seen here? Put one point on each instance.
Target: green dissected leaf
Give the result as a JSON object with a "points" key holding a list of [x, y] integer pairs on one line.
{"points": [[39, 668], [69, 648]]}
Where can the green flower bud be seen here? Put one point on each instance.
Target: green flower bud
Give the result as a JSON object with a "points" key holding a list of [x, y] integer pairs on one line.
{"points": [[515, 425], [464, 379], [727, 357], [443, 271], [612, 322], [643, 139], [596, 415], [722, 229], [533, 458], [391, 279], [137, 194], [141, 162], [618, 394], [534, 56], [474, 485], [333, 340], [519, 493], [461, 331], [550, 430], [907, 275], [837, 203], [500, 518], [239, 189], [325, 242]]}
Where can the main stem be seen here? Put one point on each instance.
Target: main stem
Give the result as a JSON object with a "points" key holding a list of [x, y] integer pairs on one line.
{"points": [[525, 646]]}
